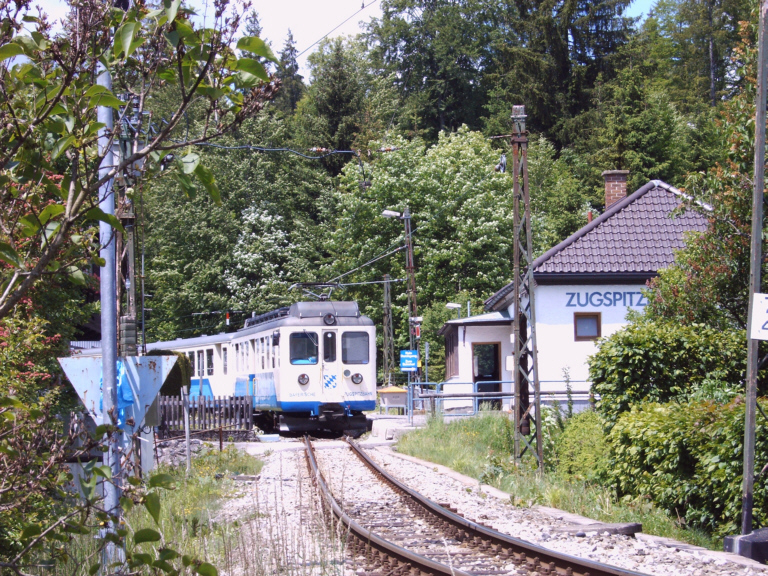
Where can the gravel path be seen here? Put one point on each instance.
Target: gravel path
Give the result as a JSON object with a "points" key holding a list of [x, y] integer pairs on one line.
{"points": [[277, 527]]}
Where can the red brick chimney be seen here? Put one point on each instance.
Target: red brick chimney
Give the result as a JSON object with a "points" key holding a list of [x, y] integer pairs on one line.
{"points": [[615, 185]]}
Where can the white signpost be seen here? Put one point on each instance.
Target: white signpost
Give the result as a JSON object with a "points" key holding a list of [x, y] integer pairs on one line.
{"points": [[760, 318]]}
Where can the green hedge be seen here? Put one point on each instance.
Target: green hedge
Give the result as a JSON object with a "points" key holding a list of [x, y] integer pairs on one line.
{"points": [[581, 449], [687, 458], [651, 361]]}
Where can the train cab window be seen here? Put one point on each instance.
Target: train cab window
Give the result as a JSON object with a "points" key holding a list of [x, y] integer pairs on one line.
{"points": [[329, 346], [304, 348], [354, 348], [191, 356], [209, 361], [224, 360]]}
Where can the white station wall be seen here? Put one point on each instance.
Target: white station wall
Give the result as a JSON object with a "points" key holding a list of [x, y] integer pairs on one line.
{"points": [[469, 335], [558, 348]]}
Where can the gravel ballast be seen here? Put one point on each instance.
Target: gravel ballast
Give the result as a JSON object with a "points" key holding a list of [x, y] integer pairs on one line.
{"points": [[287, 517]]}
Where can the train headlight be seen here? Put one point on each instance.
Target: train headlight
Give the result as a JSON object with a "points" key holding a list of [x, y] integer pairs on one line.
{"points": [[329, 319], [303, 379], [357, 378]]}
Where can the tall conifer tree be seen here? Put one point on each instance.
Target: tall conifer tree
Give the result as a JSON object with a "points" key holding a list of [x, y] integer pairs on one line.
{"points": [[292, 83]]}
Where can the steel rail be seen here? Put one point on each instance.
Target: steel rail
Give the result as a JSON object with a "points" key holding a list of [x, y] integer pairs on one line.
{"points": [[524, 554], [405, 558]]}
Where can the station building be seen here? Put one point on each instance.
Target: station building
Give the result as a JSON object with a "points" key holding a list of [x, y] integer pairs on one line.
{"points": [[584, 287]]}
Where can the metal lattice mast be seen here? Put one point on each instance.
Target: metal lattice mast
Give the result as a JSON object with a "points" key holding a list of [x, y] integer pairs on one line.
{"points": [[389, 351], [526, 372]]}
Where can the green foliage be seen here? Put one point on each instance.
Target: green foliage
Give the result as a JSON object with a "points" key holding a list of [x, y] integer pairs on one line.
{"points": [[581, 450], [559, 201], [49, 124], [481, 447], [661, 361], [468, 445], [243, 254], [434, 51], [708, 283], [291, 82], [688, 459]]}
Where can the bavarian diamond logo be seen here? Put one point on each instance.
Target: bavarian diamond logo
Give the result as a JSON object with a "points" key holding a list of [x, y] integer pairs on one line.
{"points": [[329, 381]]}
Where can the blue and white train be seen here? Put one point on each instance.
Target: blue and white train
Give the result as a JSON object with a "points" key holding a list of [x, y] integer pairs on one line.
{"points": [[312, 365]]}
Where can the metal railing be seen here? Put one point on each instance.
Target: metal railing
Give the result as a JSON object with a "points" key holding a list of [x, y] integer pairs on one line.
{"points": [[415, 399]]}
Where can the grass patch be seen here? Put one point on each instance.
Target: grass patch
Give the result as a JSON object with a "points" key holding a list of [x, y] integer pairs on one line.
{"points": [[480, 447], [186, 513]]}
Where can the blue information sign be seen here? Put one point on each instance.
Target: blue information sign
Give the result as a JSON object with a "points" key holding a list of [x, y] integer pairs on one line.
{"points": [[409, 360]]}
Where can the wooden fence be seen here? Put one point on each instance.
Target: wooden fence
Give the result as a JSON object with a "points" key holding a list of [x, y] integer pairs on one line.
{"points": [[227, 412]]}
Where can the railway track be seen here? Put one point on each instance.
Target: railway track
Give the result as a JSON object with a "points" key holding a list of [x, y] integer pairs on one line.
{"points": [[403, 533]]}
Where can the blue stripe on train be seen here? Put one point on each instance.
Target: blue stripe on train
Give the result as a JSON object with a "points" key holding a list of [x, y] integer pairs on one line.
{"points": [[261, 387], [195, 391], [356, 406]]}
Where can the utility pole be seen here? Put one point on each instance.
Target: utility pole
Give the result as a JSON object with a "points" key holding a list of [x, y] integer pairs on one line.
{"points": [[389, 351], [126, 261], [410, 269], [109, 322], [747, 495], [526, 372]]}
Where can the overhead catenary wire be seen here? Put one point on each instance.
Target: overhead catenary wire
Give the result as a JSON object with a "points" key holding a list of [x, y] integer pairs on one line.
{"points": [[308, 48], [368, 263], [373, 282]]}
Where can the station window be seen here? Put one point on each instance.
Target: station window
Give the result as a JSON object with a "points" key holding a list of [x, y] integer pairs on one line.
{"points": [[304, 348], [224, 360], [586, 326], [209, 361], [329, 346], [354, 348]]}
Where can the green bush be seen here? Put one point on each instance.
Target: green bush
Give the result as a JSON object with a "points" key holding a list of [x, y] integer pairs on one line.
{"points": [[687, 458], [581, 449], [652, 361]]}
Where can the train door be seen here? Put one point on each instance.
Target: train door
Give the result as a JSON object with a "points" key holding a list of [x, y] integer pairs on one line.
{"points": [[331, 367]]}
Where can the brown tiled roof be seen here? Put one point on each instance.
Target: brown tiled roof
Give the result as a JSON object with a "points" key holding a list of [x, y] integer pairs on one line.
{"points": [[630, 241]]}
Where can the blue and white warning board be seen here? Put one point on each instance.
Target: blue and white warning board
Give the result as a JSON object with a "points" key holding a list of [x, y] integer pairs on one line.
{"points": [[759, 317], [409, 360]]}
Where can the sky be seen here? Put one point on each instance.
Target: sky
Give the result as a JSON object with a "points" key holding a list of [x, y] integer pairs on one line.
{"points": [[309, 20]]}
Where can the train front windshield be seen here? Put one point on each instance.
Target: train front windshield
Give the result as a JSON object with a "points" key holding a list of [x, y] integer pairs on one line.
{"points": [[304, 348], [354, 348]]}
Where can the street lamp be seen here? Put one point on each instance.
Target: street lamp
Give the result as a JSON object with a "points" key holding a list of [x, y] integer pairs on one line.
{"points": [[454, 306]]}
